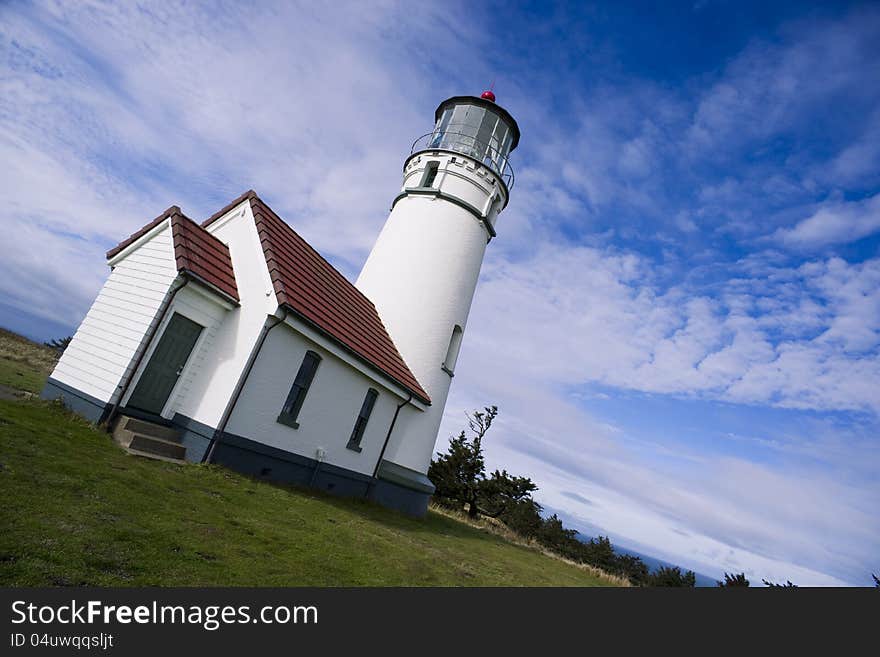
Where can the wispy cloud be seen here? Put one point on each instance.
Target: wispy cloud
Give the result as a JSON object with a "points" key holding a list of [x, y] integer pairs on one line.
{"points": [[834, 222], [794, 340]]}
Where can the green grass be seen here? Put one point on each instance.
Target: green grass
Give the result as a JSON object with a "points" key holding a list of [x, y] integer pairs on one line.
{"points": [[24, 365], [78, 510]]}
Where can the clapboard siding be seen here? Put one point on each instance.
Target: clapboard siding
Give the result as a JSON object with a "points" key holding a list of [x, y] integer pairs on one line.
{"points": [[103, 373], [100, 342], [117, 291], [141, 287], [123, 326], [105, 345], [127, 308]]}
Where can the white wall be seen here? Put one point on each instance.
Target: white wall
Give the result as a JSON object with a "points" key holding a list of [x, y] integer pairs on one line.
{"points": [[204, 308], [461, 177], [221, 360], [330, 409], [105, 344], [421, 275]]}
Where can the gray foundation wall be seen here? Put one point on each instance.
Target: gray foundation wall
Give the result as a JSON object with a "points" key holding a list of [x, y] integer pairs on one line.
{"points": [[273, 464], [77, 401], [195, 436], [397, 488]]}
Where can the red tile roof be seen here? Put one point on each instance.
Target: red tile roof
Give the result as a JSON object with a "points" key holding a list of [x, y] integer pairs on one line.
{"points": [[202, 255], [314, 290], [197, 252]]}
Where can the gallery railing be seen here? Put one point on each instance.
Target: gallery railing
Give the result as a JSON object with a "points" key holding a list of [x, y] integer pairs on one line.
{"points": [[466, 144]]}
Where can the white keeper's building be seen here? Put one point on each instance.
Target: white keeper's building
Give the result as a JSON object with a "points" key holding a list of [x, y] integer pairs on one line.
{"points": [[234, 342]]}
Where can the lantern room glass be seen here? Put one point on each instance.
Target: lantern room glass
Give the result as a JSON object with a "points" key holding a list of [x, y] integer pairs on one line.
{"points": [[475, 131]]}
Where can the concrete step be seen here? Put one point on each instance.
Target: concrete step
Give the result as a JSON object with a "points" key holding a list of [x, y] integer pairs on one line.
{"points": [[145, 428], [150, 445], [149, 439], [156, 457]]}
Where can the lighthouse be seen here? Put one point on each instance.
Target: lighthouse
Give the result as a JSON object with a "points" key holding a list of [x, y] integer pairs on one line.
{"points": [[250, 350], [423, 269]]}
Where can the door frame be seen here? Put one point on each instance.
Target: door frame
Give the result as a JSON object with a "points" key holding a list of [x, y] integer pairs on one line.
{"points": [[148, 355]]}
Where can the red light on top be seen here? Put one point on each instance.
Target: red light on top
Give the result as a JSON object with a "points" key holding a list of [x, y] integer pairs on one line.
{"points": [[488, 95]]}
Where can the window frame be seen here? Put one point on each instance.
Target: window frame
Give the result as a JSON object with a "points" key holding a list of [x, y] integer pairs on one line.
{"points": [[299, 389], [452, 350], [432, 168], [363, 418]]}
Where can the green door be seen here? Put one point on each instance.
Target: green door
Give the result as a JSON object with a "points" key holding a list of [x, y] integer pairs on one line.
{"points": [[166, 364]]}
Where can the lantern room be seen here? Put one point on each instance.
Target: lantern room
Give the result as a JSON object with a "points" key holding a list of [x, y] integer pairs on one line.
{"points": [[478, 128]]}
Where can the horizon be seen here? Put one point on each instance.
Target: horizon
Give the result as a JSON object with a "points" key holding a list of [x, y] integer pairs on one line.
{"points": [[679, 319]]}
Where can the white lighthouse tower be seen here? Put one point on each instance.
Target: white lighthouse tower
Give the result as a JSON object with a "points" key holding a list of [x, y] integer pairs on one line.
{"points": [[423, 269]]}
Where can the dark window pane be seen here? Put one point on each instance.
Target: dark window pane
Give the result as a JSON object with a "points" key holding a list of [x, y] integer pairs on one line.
{"points": [[430, 174], [360, 424], [452, 350], [300, 388], [484, 134]]}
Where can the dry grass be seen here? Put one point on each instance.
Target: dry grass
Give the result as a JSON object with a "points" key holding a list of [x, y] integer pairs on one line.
{"points": [[498, 528], [24, 364]]}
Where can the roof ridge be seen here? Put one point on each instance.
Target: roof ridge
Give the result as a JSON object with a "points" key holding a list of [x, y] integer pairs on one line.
{"points": [[128, 241], [328, 275], [226, 208], [311, 248], [253, 196]]}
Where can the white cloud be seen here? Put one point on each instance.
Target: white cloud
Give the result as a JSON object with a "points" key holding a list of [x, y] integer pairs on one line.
{"points": [[807, 340], [834, 222]]}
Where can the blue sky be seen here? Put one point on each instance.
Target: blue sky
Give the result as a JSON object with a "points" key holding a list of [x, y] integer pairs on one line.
{"points": [[680, 317]]}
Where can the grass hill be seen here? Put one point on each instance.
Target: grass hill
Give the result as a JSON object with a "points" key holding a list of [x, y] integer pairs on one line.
{"points": [[77, 510]]}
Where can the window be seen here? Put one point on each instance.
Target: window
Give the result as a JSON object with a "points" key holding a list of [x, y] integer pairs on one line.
{"points": [[430, 174], [300, 388], [452, 351], [440, 129], [360, 424], [484, 136]]}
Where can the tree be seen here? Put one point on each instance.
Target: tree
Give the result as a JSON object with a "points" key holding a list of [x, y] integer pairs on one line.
{"points": [[500, 491], [59, 344], [600, 553], [459, 475], [523, 517], [672, 576], [554, 535], [634, 569], [876, 581], [734, 580], [787, 585]]}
